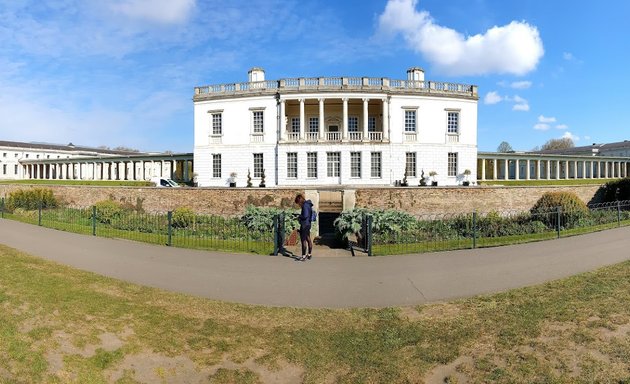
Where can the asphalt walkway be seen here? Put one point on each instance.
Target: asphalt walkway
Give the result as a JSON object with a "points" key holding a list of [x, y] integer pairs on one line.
{"points": [[331, 282]]}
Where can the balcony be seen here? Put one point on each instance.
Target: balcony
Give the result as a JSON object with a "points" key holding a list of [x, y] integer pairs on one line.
{"points": [[410, 137], [355, 136], [333, 136], [293, 136], [452, 138], [257, 138], [312, 137], [375, 136]]}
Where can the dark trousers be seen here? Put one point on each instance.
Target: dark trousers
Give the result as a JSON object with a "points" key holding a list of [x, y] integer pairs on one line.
{"points": [[305, 239]]}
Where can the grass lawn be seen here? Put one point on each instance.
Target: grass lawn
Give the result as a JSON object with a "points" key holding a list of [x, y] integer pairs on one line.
{"points": [[535, 183], [111, 183], [59, 324]]}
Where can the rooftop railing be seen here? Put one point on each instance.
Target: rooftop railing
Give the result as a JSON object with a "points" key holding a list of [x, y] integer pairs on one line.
{"points": [[337, 83]]}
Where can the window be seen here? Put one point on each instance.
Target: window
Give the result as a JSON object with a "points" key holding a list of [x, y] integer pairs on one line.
{"points": [[15, 155], [371, 124], [26, 156], [452, 125], [353, 124], [15, 169], [311, 164], [410, 164], [37, 156], [452, 164], [376, 168], [334, 163], [410, 120], [216, 165], [4, 154], [258, 165], [217, 124], [355, 164], [292, 165], [313, 124], [295, 125], [4, 169], [257, 121]]}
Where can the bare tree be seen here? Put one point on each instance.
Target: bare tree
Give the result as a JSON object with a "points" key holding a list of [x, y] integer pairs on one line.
{"points": [[563, 143], [504, 147]]}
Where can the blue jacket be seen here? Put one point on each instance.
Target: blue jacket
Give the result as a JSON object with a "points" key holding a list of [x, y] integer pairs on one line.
{"points": [[305, 215]]}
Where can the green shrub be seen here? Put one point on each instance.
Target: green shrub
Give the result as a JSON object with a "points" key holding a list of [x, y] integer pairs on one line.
{"points": [[29, 199], [572, 209], [108, 211], [183, 217], [384, 222], [259, 220], [616, 190]]}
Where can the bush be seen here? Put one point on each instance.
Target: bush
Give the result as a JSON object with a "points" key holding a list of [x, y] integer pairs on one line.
{"points": [[107, 211], [617, 190], [183, 217], [572, 209], [29, 199], [384, 222], [259, 220]]}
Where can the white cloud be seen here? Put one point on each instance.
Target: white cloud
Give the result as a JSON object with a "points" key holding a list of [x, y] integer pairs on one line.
{"points": [[159, 11], [521, 104], [541, 127], [562, 126], [543, 119], [521, 84], [568, 56], [515, 48], [587, 137], [569, 135], [492, 98]]}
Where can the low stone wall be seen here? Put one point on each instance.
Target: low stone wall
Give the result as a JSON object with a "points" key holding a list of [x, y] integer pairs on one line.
{"points": [[433, 200], [233, 201], [217, 201]]}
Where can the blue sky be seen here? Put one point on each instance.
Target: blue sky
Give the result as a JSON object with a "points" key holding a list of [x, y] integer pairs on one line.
{"points": [[122, 72]]}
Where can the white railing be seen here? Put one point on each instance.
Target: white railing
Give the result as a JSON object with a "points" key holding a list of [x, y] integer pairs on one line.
{"points": [[375, 136], [291, 136], [452, 138], [215, 139], [312, 136], [257, 137], [355, 136], [410, 136], [333, 136]]}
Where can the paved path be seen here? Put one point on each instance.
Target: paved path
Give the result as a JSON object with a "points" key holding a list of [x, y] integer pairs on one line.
{"points": [[324, 282]]}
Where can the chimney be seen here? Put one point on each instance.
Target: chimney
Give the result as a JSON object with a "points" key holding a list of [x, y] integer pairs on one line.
{"points": [[415, 74], [256, 74]]}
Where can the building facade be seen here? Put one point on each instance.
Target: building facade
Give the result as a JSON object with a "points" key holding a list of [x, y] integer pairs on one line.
{"points": [[334, 131]]}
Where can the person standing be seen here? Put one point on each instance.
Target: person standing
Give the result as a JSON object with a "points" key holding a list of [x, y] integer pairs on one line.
{"points": [[305, 226]]}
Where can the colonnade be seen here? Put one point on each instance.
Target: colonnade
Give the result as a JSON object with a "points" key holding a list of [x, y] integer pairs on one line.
{"points": [[494, 166]]}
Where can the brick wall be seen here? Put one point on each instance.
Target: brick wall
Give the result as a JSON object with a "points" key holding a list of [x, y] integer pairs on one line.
{"points": [[459, 200], [232, 201]]}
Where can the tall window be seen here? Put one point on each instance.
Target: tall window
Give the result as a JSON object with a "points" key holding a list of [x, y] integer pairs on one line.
{"points": [[257, 121], [353, 124], [355, 164], [295, 124], [371, 123], [258, 165], [4, 169], [452, 124], [452, 164], [311, 164], [410, 164], [217, 123], [334, 163], [292, 165], [15, 169], [313, 124], [410, 120], [376, 165], [216, 165]]}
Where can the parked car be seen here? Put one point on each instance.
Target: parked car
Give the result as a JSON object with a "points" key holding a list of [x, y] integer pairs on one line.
{"points": [[162, 182]]}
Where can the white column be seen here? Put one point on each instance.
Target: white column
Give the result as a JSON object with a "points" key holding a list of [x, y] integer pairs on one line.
{"points": [[483, 169], [527, 171], [605, 169], [302, 118], [365, 119], [495, 175], [506, 174], [345, 119], [283, 124], [548, 169], [584, 169], [517, 169], [385, 122], [618, 169], [322, 130]]}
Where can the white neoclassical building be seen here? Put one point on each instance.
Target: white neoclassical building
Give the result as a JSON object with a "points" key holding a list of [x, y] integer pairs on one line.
{"points": [[331, 131]]}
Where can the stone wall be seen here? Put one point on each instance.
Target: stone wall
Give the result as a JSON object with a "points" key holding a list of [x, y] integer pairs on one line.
{"points": [[432, 200], [218, 201], [232, 201]]}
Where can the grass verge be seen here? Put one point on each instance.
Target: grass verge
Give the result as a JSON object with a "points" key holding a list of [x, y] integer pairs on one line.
{"points": [[59, 324]]}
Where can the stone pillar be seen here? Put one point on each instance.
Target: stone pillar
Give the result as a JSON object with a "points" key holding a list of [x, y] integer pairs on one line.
{"points": [[584, 169], [495, 175], [618, 169], [365, 119], [322, 130], [506, 174], [517, 169], [483, 169], [527, 171], [302, 118], [575, 169], [345, 119], [605, 169], [283, 124], [385, 123]]}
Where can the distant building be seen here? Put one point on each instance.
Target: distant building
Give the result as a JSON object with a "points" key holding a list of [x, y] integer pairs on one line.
{"points": [[329, 131], [618, 149]]}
